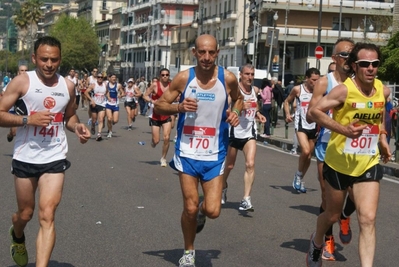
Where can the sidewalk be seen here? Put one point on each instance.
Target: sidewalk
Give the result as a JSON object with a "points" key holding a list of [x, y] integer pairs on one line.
{"points": [[283, 134]]}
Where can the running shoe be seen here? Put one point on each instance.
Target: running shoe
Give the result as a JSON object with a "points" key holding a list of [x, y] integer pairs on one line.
{"points": [[201, 219], [99, 138], [246, 204], [302, 189], [329, 249], [129, 128], [345, 232], [293, 152], [296, 183], [188, 259], [264, 136], [89, 122], [10, 137], [313, 257], [224, 196], [163, 162], [93, 131], [109, 134], [18, 251]]}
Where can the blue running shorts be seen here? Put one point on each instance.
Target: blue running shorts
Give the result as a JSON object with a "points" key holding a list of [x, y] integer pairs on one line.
{"points": [[204, 170]]}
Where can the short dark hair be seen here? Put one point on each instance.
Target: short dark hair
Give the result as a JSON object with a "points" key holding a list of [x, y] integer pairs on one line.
{"points": [[329, 67], [163, 69], [311, 71], [352, 58], [47, 40]]}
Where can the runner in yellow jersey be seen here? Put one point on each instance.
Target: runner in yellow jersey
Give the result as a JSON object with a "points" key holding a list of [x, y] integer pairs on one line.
{"points": [[352, 156]]}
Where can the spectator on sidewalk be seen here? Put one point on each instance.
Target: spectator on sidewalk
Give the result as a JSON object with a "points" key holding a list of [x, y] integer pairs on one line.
{"points": [[267, 97]]}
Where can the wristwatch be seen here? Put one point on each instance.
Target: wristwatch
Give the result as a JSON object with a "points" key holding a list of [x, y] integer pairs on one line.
{"points": [[24, 121]]}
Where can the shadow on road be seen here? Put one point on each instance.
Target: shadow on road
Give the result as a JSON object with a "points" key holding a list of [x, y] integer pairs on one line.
{"points": [[307, 208], [203, 258]]}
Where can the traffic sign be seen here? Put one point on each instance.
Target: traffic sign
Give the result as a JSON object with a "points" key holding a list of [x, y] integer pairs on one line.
{"points": [[319, 52]]}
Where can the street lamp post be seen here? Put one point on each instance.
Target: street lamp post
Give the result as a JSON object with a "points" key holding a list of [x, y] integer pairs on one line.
{"points": [[256, 40], [179, 47], [285, 43], [275, 18], [164, 28], [319, 32]]}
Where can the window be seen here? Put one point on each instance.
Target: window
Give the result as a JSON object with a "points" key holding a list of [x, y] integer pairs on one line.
{"points": [[346, 24], [179, 12]]}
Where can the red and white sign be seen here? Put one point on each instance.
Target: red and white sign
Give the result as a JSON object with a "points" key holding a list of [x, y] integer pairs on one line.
{"points": [[319, 52]]}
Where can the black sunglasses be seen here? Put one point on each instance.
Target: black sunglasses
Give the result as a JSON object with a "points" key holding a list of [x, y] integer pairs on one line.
{"points": [[164, 75], [343, 54], [366, 63], [100, 77]]}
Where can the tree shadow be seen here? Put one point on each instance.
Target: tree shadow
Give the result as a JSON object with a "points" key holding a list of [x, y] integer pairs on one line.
{"points": [[203, 258]]}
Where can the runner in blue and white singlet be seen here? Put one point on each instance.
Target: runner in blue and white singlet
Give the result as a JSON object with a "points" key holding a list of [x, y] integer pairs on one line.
{"points": [[324, 133]]}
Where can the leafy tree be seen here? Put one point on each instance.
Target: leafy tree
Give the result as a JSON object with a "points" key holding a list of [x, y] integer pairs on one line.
{"points": [[27, 18], [389, 69], [79, 41]]}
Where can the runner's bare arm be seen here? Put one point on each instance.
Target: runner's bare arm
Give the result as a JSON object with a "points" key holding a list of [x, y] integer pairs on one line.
{"points": [[319, 91]]}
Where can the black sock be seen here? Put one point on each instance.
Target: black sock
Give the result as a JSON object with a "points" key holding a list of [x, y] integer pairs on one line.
{"points": [[18, 240], [348, 209]]}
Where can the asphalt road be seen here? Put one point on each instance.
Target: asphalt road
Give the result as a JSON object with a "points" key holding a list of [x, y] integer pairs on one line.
{"points": [[120, 208]]}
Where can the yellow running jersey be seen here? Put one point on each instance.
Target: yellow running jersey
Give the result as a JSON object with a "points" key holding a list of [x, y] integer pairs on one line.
{"points": [[354, 156]]}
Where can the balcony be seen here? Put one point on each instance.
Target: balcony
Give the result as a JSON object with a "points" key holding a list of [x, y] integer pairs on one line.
{"points": [[114, 26], [216, 18], [104, 10]]}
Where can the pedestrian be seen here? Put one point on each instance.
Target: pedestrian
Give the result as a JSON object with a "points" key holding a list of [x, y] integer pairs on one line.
{"points": [[202, 138], [323, 86], [158, 121], [243, 137], [13, 130], [96, 95], [39, 160], [114, 92], [358, 137], [267, 97], [306, 132]]}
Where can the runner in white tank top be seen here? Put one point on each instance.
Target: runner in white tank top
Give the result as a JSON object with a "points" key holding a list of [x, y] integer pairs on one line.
{"points": [[305, 132], [45, 103], [243, 137]]}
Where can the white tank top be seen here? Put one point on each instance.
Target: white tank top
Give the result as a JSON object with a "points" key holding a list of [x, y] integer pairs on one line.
{"points": [[99, 94], [247, 127], [37, 144], [206, 136], [302, 107], [129, 92]]}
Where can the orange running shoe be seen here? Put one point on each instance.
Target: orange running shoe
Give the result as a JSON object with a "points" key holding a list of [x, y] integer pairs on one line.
{"points": [[329, 249], [345, 232]]}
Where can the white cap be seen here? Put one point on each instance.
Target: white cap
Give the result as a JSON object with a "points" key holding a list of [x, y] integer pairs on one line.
{"points": [[130, 80]]}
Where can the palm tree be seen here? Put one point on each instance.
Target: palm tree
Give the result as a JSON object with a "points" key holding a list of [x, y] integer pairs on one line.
{"points": [[26, 19]]}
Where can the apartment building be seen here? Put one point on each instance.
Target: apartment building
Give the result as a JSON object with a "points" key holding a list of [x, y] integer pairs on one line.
{"points": [[146, 35]]}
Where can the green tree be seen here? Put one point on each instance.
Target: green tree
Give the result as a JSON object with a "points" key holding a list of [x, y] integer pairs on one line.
{"points": [[389, 69], [27, 18], [79, 41]]}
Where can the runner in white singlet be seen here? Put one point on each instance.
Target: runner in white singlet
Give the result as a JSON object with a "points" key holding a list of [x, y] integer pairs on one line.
{"points": [[305, 132], [45, 102], [243, 137]]}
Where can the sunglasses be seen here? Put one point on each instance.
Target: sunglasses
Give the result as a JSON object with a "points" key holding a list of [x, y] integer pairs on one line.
{"points": [[165, 75], [100, 77], [365, 63], [343, 54]]}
